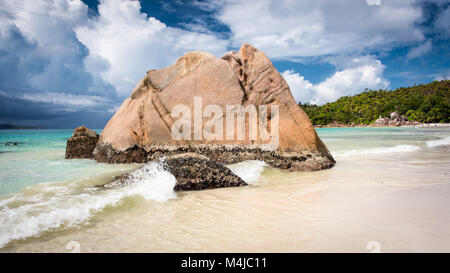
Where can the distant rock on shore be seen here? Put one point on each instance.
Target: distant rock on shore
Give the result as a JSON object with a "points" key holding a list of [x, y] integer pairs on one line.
{"points": [[140, 131], [82, 143], [394, 120]]}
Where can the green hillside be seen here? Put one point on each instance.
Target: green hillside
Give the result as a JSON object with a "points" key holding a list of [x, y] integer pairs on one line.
{"points": [[428, 103]]}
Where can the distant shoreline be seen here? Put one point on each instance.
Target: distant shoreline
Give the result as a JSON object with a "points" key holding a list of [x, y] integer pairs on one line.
{"points": [[19, 127], [422, 125], [24, 128]]}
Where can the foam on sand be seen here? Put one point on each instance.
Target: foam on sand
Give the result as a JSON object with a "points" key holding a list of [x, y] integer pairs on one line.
{"points": [[26, 216], [440, 142], [383, 150], [249, 170]]}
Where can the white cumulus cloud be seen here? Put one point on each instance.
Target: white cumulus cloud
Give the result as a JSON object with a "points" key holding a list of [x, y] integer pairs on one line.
{"points": [[130, 43], [287, 29], [363, 72], [53, 46], [43, 52]]}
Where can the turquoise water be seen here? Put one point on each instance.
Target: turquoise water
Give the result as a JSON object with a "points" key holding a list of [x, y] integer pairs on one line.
{"points": [[41, 193], [39, 157], [341, 139], [29, 140], [39, 154]]}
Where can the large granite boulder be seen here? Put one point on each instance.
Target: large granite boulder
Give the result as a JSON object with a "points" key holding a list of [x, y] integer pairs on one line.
{"points": [[141, 129], [82, 143], [192, 172]]}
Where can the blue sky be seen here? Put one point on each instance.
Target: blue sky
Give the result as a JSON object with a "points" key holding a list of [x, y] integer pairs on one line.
{"points": [[64, 63]]}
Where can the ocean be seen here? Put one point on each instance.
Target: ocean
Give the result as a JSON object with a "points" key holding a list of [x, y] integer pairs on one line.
{"points": [[389, 192]]}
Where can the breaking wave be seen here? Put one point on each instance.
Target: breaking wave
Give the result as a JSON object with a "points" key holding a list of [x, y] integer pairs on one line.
{"points": [[383, 150], [249, 170], [440, 142], [23, 216]]}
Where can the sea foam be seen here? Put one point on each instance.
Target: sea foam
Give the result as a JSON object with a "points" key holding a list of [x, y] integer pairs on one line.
{"points": [[34, 217], [249, 170], [440, 142], [383, 150]]}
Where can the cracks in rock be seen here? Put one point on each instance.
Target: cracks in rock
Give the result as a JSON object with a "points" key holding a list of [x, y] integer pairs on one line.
{"points": [[140, 137], [263, 73], [236, 64], [148, 83], [164, 114]]}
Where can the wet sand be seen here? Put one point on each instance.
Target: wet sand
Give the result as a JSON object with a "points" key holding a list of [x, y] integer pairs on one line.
{"points": [[337, 210]]}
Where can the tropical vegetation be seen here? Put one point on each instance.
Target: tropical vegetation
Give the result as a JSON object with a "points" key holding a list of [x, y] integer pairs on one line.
{"points": [[428, 103]]}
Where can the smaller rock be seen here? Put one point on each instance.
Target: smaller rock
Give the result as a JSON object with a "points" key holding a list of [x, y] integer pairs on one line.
{"points": [[192, 172], [82, 143], [10, 143], [197, 172]]}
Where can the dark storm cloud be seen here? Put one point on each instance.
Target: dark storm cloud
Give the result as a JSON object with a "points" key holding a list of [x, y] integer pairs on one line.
{"points": [[26, 64], [43, 79], [18, 59], [16, 110]]}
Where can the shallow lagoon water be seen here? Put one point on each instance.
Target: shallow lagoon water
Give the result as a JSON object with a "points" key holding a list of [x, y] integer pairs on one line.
{"points": [[389, 188]]}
